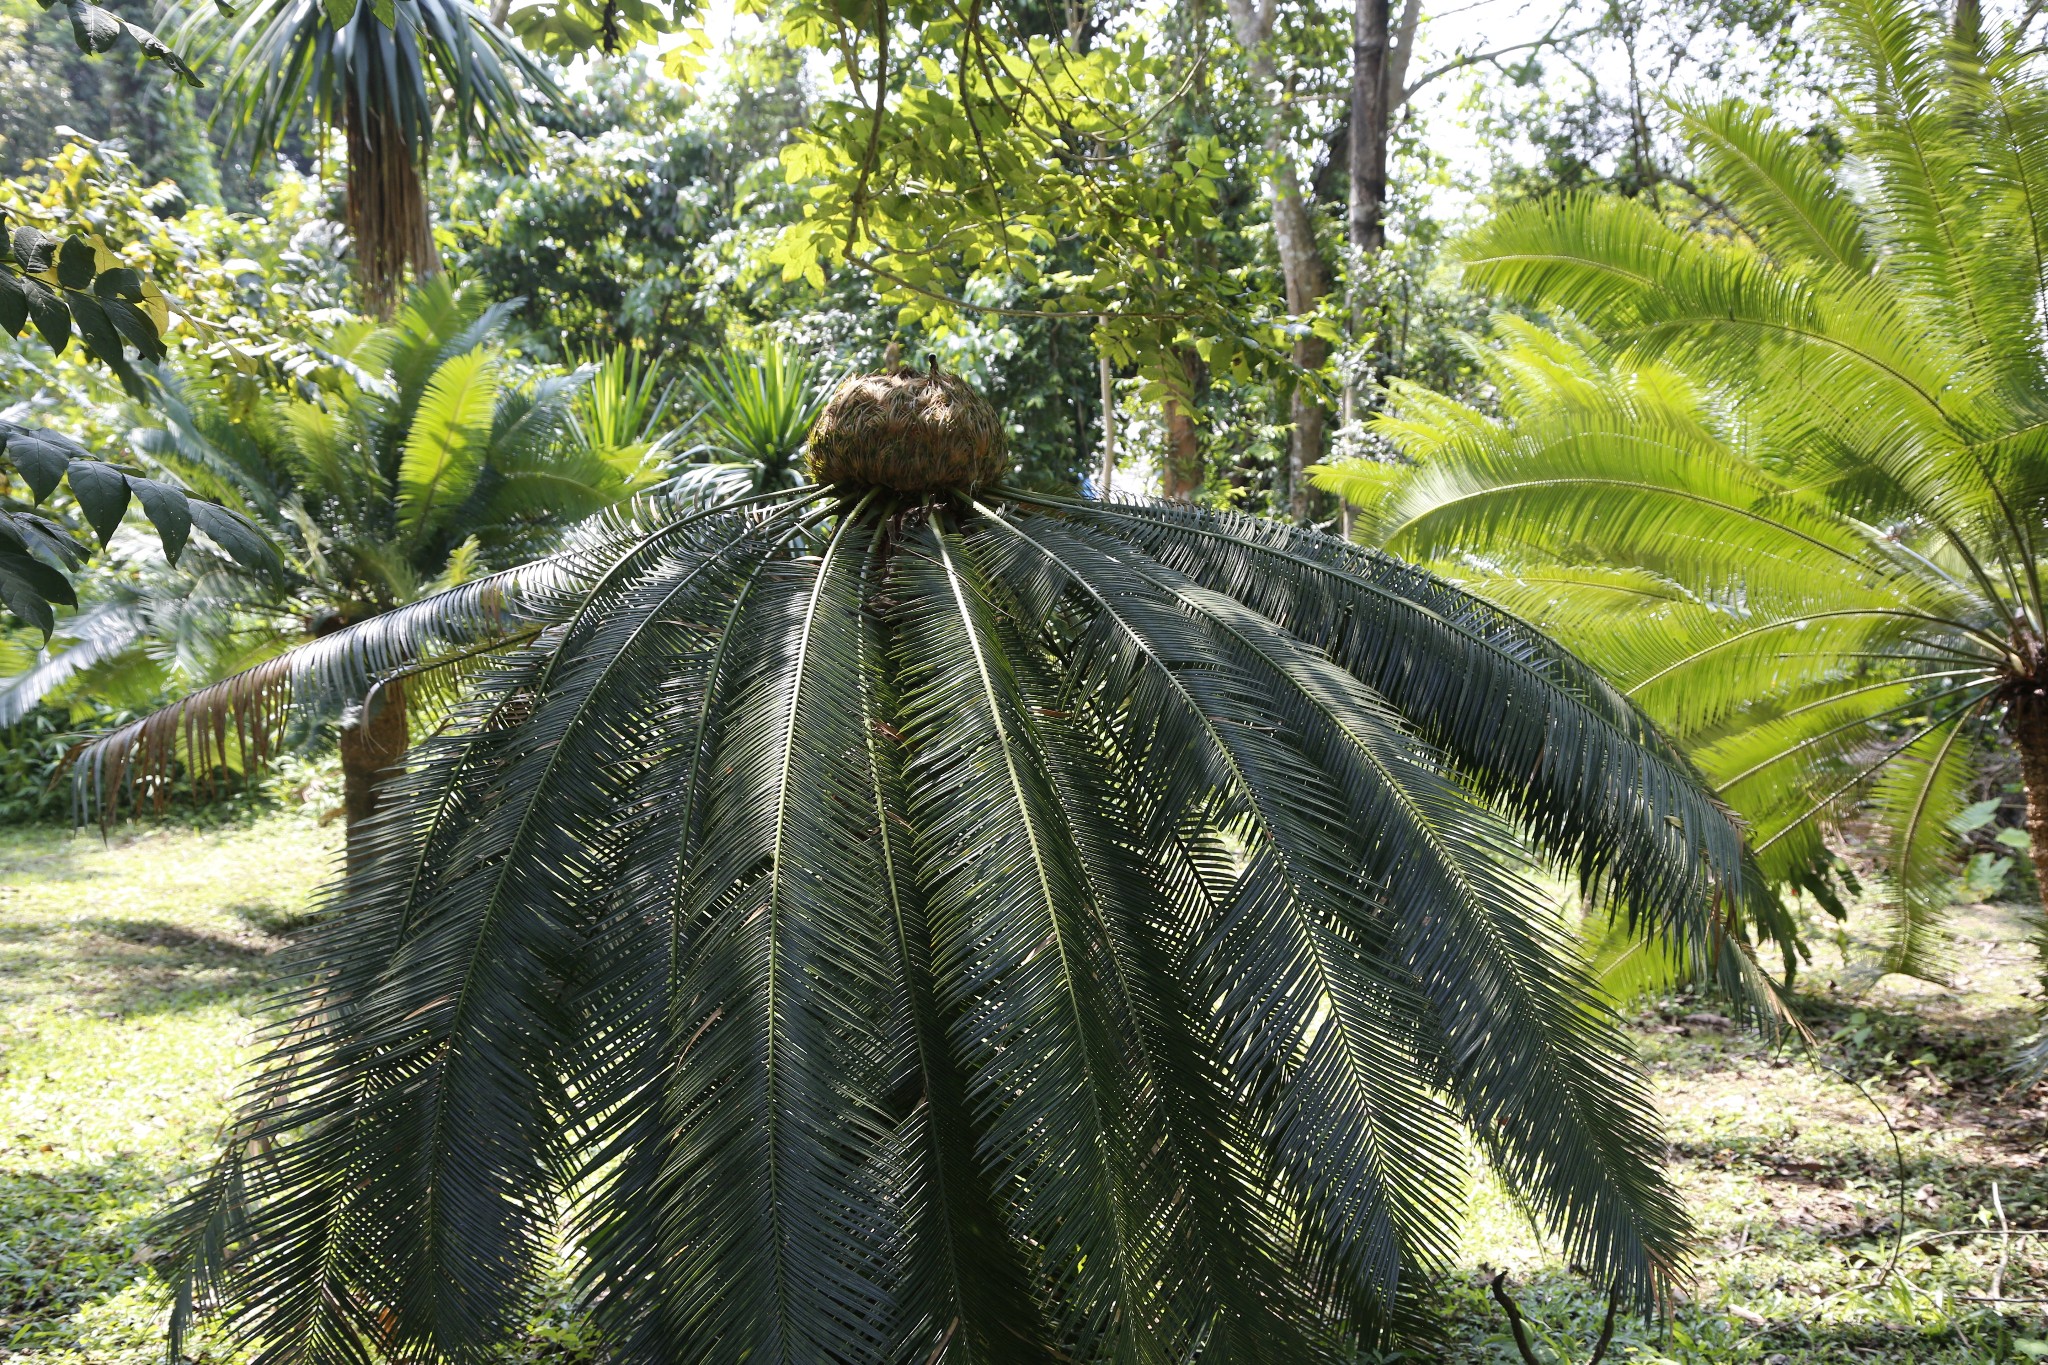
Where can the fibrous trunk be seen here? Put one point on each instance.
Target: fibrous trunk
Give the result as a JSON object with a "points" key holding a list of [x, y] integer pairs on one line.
{"points": [[372, 749], [387, 213], [2026, 720]]}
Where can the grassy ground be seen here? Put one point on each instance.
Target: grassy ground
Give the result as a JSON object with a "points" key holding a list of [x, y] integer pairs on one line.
{"points": [[128, 971]]}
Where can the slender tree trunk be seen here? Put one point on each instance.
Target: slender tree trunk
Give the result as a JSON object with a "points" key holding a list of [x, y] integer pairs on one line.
{"points": [[2026, 723], [1108, 378], [372, 751], [1372, 100], [387, 213], [1302, 268], [1182, 477]]}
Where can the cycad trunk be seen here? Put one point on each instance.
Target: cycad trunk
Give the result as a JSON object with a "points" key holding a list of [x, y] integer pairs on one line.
{"points": [[2026, 721], [388, 219], [371, 751]]}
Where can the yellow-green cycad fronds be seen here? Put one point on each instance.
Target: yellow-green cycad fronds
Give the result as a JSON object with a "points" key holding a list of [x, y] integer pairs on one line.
{"points": [[1792, 204], [1918, 794], [1787, 488]]}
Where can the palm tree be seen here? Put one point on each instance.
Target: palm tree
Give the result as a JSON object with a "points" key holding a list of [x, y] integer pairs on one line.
{"points": [[907, 918], [1784, 478], [437, 469], [388, 75]]}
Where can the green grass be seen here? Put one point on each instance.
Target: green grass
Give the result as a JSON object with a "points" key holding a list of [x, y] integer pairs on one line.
{"points": [[129, 972]]}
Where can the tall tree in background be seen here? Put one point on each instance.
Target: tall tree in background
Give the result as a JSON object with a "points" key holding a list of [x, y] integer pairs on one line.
{"points": [[1304, 271], [388, 77]]}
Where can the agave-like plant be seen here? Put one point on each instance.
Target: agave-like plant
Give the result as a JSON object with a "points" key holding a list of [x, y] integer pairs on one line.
{"points": [[754, 411], [905, 918]]}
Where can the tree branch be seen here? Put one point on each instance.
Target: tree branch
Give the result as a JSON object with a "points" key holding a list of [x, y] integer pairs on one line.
{"points": [[1500, 1295], [1550, 39]]}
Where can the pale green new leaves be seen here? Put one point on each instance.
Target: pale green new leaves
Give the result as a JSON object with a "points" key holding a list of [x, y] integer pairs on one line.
{"points": [[445, 446]]}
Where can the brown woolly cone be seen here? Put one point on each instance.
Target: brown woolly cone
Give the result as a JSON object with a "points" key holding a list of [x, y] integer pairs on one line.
{"points": [[915, 431]]}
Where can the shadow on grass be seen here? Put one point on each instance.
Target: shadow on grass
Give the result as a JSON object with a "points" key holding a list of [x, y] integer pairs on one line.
{"points": [[126, 967]]}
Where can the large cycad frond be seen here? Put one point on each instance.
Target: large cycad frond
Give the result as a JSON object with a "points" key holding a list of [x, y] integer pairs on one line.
{"points": [[1793, 650], [903, 927]]}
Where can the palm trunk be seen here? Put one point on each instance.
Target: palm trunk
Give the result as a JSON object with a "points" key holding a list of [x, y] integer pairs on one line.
{"points": [[372, 752], [388, 218]]}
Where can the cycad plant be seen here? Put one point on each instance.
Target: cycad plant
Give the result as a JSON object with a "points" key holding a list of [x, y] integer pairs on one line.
{"points": [[904, 918], [437, 468], [389, 76], [1785, 479], [754, 410]]}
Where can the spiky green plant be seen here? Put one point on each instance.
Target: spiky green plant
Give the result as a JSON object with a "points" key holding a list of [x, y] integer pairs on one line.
{"points": [[622, 413], [754, 412], [1787, 485], [966, 926]]}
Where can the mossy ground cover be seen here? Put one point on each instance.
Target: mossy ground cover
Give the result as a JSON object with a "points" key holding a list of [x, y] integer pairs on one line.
{"points": [[131, 969]]}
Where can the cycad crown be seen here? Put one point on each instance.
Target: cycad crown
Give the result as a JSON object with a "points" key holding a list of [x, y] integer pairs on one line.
{"points": [[894, 927]]}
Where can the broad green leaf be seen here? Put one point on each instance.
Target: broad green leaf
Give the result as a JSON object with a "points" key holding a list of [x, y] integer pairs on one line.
{"points": [[102, 493], [77, 263], [233, 533], [40, 462], [168, 510], [94, 30]]}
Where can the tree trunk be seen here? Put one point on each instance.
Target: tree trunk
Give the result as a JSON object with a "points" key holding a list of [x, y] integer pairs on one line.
{"points": [[372, 751], [1181, 479], [1371, 101], [1302, 267], [387, 215], [2026, 722]]}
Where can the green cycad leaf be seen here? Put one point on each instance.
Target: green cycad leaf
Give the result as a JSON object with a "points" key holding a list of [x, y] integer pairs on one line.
{"points": [[1376, 1189], [1917, 796], [1009, 907], [1548, 723], [445, 445], [1776, 185], [1464, 926], [962, 1263]]}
